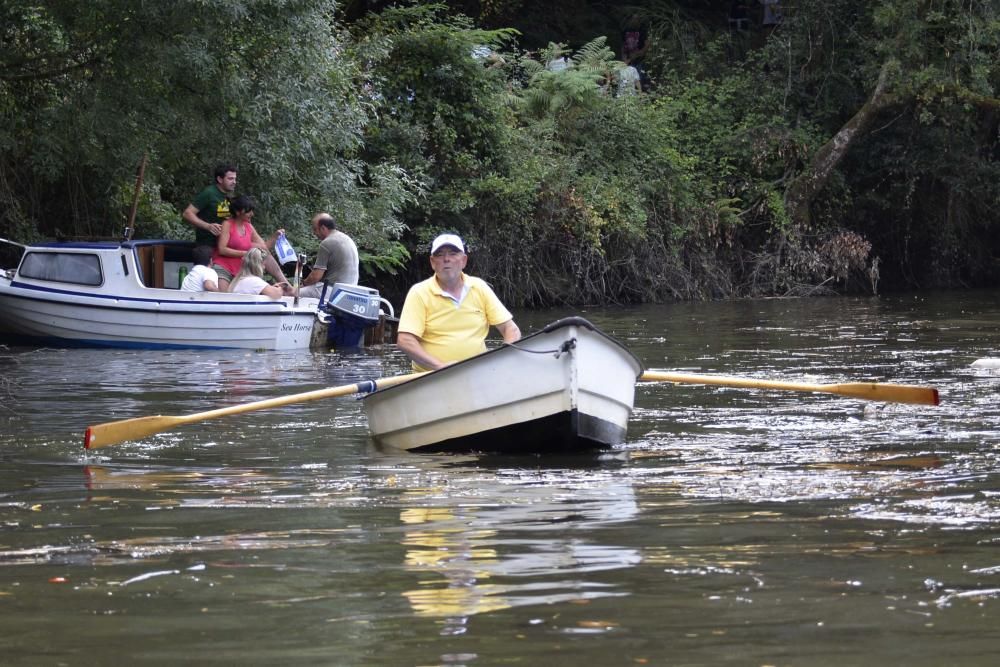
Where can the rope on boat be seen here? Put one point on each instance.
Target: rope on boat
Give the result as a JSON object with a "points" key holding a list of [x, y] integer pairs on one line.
{"points": [[558, 352]]}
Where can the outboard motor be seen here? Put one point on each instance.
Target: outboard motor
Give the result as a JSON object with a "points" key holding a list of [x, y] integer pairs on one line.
{"points": [[350, 309]]}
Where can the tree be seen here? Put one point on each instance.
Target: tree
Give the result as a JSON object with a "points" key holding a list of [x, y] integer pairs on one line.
{"points": [[933, 79], [440, 106], [87, 88], [932, 57]]}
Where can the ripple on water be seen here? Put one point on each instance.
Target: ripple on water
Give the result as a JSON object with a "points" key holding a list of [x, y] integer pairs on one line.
{"points": [[775, 523]]}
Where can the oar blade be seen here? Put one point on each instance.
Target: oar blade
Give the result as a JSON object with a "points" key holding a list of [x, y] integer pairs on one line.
{"points": [[113, 433], [893, 393]]}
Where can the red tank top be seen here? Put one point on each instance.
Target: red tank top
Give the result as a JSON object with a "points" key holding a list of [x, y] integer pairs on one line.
{"points": [[236, 242]]}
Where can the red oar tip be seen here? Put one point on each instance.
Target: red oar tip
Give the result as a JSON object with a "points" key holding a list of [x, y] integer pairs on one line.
{"points": [[937, 398], [86, 439]]}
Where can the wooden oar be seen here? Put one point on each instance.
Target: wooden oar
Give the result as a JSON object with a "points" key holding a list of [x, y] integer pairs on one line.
{"points": [[112, 433], [872, 391]]}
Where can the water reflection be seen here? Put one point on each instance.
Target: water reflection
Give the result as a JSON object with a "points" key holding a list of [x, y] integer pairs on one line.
{"points": [[489, 543]]}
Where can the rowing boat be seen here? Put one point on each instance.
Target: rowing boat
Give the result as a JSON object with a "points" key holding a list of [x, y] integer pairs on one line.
{"points": [[567, 388]]}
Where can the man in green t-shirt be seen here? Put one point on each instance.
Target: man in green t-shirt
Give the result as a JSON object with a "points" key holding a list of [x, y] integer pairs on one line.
{"points": [[211, 207]]}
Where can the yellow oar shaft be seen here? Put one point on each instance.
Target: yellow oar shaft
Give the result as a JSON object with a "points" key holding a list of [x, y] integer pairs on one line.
{"points": [[112, 433], [872, 391]]}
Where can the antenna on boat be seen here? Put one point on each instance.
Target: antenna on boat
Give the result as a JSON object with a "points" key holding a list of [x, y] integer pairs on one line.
{"points": [[130, 225], [300, 259]]}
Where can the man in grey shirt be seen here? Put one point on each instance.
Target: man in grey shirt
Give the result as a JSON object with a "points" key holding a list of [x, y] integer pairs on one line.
{"points": [[336, 261]]}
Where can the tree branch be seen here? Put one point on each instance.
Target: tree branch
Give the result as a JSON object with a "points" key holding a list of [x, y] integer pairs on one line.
{"points": [[50, 73], [807, 185]]}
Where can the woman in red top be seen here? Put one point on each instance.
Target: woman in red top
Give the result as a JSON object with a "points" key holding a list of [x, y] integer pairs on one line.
{"points": [[237, 237]]}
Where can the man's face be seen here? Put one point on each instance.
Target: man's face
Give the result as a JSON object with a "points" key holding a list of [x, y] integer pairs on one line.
{"points": [[227, 183], [448, 262], [318, 228]]}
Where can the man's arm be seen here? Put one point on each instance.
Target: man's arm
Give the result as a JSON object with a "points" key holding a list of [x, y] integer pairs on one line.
{"points": [[410, 344], [190, 216], [319, 265], [510, 331], [314, 277], [211, 281]]}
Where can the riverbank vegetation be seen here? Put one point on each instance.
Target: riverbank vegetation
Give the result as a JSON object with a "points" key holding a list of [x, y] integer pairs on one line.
{"points": [[850, 147]]}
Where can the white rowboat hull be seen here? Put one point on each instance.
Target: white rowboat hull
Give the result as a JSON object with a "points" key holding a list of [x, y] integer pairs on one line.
{"points": [[564, 389]]}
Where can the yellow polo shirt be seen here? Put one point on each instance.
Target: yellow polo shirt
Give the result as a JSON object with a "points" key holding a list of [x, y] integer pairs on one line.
{"points": [[448, 330]]}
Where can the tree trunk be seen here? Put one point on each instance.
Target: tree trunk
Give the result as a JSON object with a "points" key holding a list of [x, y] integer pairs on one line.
{"points": [[807, 185]]}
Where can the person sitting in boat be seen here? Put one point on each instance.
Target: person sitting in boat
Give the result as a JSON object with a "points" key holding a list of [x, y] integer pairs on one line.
{"points": [[250, 278], [237, 237], [201, 277], [336, 261], [446, 318]]}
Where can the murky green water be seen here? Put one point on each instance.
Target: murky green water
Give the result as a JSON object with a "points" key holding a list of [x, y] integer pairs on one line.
{"points": [[735, 527]]}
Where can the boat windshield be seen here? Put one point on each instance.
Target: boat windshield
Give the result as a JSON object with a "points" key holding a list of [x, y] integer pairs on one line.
{"points": [[10, 254], [63, 267]]}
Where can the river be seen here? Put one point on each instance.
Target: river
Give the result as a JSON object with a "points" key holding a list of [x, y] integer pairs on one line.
{"points": [[736, 526]]}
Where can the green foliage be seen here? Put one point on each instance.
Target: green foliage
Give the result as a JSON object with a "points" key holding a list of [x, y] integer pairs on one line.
{"points": [[439, 107], [577, 88], [416, 120], [88, 88], [390, 261], [594, 206]]}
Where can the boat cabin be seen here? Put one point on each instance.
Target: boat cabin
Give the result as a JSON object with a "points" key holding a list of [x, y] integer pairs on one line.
{"points": [[155, 263]]}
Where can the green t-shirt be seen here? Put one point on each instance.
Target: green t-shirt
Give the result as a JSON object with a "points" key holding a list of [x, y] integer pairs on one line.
{"points": [[213, 207]]}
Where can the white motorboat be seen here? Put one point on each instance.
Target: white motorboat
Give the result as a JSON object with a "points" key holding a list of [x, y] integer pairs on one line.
{"points": [[126, 295], [566, 388]]}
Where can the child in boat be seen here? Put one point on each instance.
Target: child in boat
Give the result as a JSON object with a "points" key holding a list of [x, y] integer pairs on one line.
{"points": [[250, 279], [201, 278]]}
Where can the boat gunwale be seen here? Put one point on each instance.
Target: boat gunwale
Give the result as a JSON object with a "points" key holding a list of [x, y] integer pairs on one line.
{"points": [[562, 323], [104, 245]]}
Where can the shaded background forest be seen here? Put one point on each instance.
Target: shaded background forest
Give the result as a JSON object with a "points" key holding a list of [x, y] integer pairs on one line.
{"points": [[854, 147]]}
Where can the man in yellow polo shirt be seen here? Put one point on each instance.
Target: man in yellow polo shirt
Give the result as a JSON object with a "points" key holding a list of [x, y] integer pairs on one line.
{"points": [[446, 317]]}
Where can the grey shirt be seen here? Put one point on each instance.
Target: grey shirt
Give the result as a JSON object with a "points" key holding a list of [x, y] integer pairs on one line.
{"points": [[338, 256]]}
